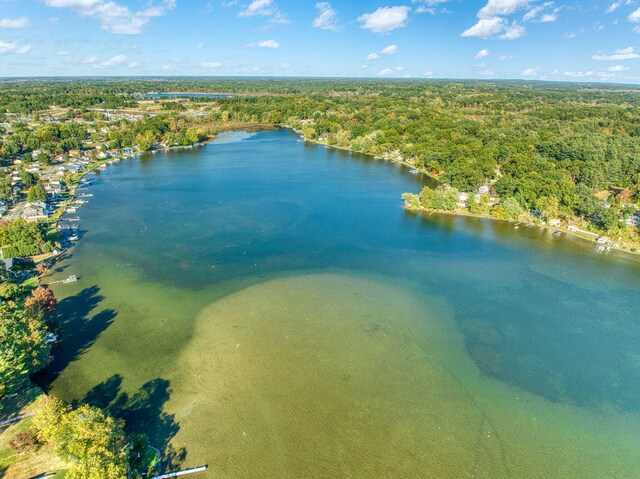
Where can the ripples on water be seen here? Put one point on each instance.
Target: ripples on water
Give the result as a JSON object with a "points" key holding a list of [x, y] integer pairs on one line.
{"points": [[260, 285]]}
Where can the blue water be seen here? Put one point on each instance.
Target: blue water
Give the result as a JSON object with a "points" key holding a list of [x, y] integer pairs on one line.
{"points": [[547, 316]]}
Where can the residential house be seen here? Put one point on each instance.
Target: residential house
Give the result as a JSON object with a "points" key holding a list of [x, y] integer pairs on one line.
{"points": [[35, 211]]}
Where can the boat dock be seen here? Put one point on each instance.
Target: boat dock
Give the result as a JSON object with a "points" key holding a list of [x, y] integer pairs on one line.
{"points": [[182, 473]]}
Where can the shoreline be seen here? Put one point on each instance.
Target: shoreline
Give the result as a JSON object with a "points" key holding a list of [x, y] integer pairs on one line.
{"points": [[462, 213], [564, 230], [72, 192], [267, 127]]}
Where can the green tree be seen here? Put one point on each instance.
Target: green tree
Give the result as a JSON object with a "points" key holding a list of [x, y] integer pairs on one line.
{"points": [[512, 209], [24, 347], [411, 200], [479, 206], [93, 441], [37, 192], [426, 197]]}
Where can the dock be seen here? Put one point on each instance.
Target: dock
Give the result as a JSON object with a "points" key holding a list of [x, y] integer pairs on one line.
{"points": [[6, 422], [184, 472]]}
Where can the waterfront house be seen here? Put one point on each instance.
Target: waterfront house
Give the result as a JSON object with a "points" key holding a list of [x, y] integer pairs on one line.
{"points": [[54, 187], [35, 211], [483, 190]]}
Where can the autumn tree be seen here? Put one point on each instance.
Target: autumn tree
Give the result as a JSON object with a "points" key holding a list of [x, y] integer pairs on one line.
{"points": [[42, 300]]}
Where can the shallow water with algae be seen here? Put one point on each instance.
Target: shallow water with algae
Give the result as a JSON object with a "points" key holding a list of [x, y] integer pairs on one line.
{"points": [[266, 307]]}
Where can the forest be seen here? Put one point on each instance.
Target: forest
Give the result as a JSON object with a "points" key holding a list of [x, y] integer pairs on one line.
{"points": [[560, 150]]}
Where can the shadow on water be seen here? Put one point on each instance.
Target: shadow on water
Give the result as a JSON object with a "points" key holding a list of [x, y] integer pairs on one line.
{"points": [[142, 412], [79, 328]]}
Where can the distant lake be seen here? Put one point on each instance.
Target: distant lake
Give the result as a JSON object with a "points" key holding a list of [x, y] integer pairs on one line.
{"points": [[188, 95], [267, 307]]}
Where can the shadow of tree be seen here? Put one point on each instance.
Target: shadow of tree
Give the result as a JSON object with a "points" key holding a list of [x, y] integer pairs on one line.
{"points": [[104, 393], [142, 412], [78, 330]]}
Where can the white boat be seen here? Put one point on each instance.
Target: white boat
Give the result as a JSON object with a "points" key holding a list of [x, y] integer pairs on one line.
{"points": [[70, 279], [73, 238]]}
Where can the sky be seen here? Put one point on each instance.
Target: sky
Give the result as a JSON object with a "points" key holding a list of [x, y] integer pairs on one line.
{"points": [[573, 40]]}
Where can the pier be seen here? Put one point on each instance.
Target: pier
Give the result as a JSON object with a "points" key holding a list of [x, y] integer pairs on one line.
{"points": [[184, 472]]}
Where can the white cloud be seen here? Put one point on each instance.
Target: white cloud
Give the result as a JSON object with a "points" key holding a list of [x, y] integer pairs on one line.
{"points": [[385, 19], [200, 46], [22, 22], [617, 68], [492, 21], [634, 16], [63, 53], [428, 6], [113, 17], [258, 7], [264, 8], [531, 71], [622, 54], [390, 50], [13, 47], [285, 66], [112, 62], [613, 7], [534, 12], [23, 50], [538, 14], [264, 44], [505, 58], [429, 74], [386, 72], [590, 74], [512, 32], [485, 28], [481, 54], [326, 19], [495, 8], [211, 64], [372, 56]]}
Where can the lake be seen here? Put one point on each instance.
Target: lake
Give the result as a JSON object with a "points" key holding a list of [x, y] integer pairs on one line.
{"points": [[187, 95], [267, 307]]}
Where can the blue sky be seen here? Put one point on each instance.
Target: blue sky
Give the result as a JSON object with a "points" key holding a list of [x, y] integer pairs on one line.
{"points": [[570, 40]]}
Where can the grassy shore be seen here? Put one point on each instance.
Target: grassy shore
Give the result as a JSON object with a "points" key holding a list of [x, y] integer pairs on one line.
{"points": [[29, 463]]}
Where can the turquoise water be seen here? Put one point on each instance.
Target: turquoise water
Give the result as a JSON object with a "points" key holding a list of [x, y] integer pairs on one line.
{"points": [[189, 255]]}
